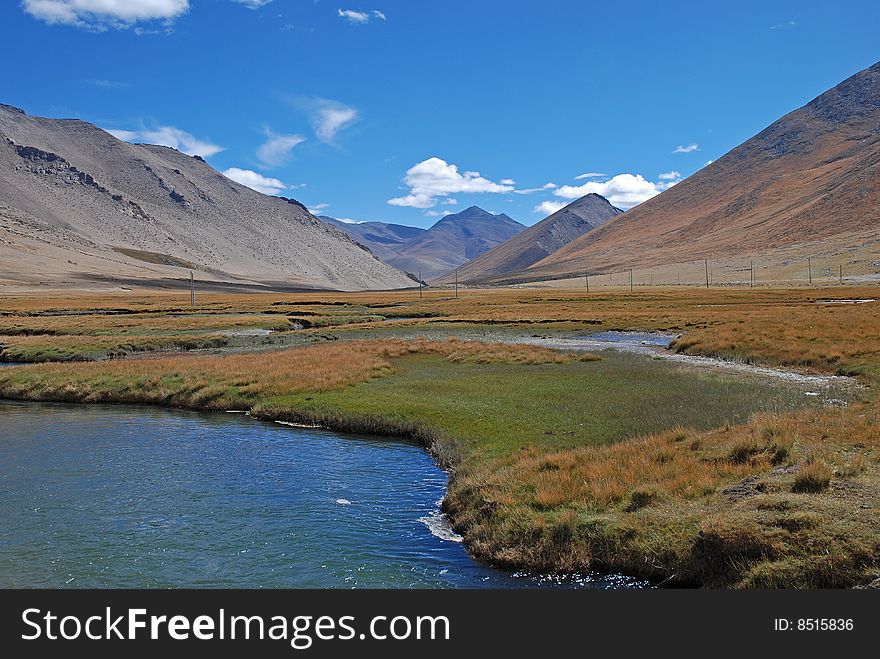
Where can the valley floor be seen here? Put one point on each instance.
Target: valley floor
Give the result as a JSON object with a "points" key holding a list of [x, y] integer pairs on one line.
{"points": [[559, 460]]}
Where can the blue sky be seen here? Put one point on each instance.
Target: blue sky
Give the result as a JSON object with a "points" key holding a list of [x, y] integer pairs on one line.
{"points": [[402, 111]]}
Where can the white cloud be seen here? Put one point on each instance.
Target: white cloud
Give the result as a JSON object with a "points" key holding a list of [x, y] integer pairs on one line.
{"points": [[102, 14], [708, 162], [360, 17], [255, 181], [318, 209], [549, 207], [546, 186], [786, 25], [667, 179], [449, 201], [581, 177], [348, 220], [170, 136], [355, 17], [686, 149], [434, 177], [124, 135], [326, 116], [623, 190], [253, 4], [276, 149], [507, 181], [333, 119]]}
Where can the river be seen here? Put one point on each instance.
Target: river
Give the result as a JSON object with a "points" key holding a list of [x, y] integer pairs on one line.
{"points": [[126, 496]]}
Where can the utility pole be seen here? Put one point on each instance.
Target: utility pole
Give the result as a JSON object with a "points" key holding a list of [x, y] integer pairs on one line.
{"points": [[456, 282], [420, 284], [192, 290], [587, 279], [841, 274], [751, 274], [810, 270], [679, 277], [706, 262], [630, 280]]}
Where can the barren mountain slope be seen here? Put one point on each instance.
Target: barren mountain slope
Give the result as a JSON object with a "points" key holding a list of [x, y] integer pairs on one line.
{"points": [[77, 205], [812, 175], [385, 240], [454, 240], [538, 241]]}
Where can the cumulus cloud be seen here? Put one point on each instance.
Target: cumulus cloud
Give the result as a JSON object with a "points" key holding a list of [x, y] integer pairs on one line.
{"points": [[169, 136], [276, 149], [434, 177], [686, 149], [360, 17], [326, 116], [581, 177], [255, 181], [669, 176], [623, 190], [103, 14], [549, 207]]}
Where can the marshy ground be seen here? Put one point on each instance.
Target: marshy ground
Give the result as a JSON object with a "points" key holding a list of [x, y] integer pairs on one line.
{"points": [[560, 460]]}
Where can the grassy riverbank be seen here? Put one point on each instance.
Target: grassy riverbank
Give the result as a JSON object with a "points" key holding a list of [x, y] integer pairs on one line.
{"points": [[563, 462]]}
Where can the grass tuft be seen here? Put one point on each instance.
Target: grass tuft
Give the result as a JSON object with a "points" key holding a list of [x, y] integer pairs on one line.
{"points": [[813, 477]]}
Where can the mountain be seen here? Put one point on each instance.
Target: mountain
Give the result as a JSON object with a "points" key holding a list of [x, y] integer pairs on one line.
{"points": [[813, 175], [79, 208], [538, 241], [454, 240], [383, 239]]}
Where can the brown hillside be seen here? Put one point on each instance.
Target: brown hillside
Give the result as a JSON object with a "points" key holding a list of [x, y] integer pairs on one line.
{"points": [[538, 241], [80, 208], [812, 175]]}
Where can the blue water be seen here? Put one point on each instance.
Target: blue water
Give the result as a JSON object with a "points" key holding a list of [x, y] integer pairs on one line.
{"points": [[633, 338], [117, 496]]}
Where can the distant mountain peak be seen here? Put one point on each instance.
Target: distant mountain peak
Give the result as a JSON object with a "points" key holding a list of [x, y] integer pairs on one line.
{"points": [[453, 240], [475, 212], [538, 241]]}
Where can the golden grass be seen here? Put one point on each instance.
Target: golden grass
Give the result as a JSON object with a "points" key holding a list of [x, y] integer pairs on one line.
{"points": [[689, 507], [107, 324], [219, 382], [84, 348], [784, 500]]}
